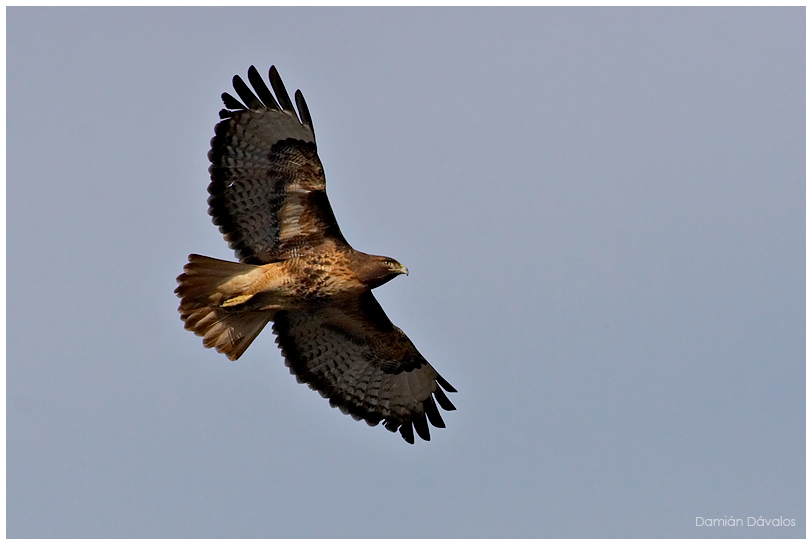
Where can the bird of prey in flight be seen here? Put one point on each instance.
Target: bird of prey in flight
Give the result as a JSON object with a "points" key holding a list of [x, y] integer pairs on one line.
{"points": [[267, 195]]}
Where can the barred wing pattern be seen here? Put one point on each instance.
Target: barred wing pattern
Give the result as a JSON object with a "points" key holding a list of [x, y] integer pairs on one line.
{"points": [[267, 191], [367, 367]]}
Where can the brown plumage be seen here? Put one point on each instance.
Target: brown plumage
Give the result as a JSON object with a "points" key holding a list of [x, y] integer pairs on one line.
{"points": [[267, 195]]}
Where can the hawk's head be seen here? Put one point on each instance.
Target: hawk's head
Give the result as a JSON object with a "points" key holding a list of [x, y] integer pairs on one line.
{"points": [[375, 270]]}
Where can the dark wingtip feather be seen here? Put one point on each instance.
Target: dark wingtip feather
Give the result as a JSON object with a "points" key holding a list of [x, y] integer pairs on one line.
{"points": [[444, 402], [304, 112], [390, 425], [444, 383], [407, 433], [433, 414], [262, 90], [232, 103], [421, 426], [279, 89], [247, 96]]}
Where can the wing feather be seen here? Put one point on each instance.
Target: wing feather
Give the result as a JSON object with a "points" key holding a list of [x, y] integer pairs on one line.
{"points": [[442, 399], [247, 96], [279, 89], [262, 90], [267, 191], [421, 426], [434, 415], [304, 112], [232, 103], [365, 366]]}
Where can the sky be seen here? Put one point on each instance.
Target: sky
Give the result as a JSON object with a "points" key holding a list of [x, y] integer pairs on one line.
{"points": [[602, 212]]}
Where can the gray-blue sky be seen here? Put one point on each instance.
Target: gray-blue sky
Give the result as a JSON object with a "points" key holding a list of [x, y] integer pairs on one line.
{"points": [[603, 215]]}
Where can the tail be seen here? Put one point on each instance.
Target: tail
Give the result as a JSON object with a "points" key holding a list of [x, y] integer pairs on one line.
{"points": [[210, 290]]}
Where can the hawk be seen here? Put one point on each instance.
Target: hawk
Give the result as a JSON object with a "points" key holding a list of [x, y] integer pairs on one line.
{"points": [[267, 195]]}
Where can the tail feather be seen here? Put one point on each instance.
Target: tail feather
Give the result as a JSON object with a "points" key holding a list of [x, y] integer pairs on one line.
{"points": [[204, 286]]}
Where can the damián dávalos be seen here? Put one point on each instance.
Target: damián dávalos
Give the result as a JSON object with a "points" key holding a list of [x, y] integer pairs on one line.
{"points": [[751, 521]]}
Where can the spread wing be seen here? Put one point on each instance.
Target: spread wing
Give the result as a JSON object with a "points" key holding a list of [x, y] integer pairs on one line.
{"points": [[267, 191], [364, 365]]}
